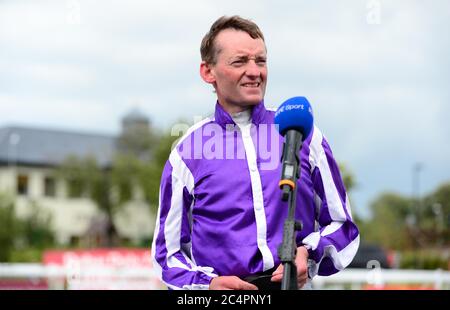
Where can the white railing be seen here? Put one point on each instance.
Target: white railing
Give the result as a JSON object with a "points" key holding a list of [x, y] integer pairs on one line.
{"points": [[385, 278], [74, 277], [145, 278]]}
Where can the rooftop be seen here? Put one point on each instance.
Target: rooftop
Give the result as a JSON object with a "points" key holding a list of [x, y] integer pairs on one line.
{"points": [[46, 147]]}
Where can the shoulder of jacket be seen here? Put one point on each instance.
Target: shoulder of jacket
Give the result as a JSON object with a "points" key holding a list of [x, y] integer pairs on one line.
{"points": [[315, 146], [190, 131]]}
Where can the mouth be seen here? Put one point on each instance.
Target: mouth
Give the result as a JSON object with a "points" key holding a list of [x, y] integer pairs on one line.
{"points": [[251, 85]]}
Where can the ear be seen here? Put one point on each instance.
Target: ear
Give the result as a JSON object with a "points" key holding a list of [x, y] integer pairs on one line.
{"points": [[207, 73]]}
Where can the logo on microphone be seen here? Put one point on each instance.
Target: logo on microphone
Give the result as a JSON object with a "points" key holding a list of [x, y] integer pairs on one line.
{"points": [[295, 107], [290, 107]]}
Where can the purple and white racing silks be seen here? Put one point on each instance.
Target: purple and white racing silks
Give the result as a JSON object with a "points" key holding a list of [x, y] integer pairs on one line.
{"points": [[220, 210]]}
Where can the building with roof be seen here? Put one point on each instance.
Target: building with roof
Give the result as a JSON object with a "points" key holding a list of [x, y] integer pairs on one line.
{"points": [[29, 160]]}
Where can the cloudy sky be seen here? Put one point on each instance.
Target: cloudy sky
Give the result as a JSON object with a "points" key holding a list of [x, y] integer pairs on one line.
{"points": [[377, 73]]}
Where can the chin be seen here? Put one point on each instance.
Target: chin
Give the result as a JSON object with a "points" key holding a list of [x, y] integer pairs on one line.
{"points": [[253, 101]]}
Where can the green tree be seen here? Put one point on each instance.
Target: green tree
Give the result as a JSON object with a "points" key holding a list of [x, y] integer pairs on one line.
{"points": [[9, 226], [21, 236], [150, 172], [388, 225], [85, 178], [82, 175], [35, 231], [350, 183], [347, 177], [110, 188], [434, 216]]}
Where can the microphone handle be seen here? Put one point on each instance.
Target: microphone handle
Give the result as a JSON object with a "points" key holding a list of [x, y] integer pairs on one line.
{"points": [[290, 161], [290, 173]]}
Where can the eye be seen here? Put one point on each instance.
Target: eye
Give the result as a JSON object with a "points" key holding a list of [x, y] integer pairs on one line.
{"points": [[237, 63], [261, 61]]}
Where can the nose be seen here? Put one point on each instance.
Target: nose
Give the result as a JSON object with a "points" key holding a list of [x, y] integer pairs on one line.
{"points": [[252, 69]]}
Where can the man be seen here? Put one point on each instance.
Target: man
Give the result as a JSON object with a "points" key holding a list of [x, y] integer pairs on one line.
{"points": [[220, 218]]}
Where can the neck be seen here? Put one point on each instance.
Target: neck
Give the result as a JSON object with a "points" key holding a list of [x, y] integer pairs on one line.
{"points": [[232, 109], [242, 118]]}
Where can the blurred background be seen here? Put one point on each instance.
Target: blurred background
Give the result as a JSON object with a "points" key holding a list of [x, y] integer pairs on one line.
{"points": [[91, 92]]}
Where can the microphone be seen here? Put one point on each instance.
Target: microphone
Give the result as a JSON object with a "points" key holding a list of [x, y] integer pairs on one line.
{"points": [[294, 118]]}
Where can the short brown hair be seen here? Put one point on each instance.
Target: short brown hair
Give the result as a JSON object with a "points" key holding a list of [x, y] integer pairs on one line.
{"points": [[209, 51]]}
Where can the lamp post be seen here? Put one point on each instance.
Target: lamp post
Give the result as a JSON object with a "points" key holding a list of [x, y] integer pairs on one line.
{"points": [[439, 218], [413, 219], [13, 141], [416, 190]]}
